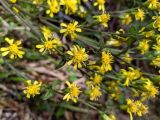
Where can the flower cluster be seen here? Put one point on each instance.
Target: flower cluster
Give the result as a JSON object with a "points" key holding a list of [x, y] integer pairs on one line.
{"points": [[114, 48]]}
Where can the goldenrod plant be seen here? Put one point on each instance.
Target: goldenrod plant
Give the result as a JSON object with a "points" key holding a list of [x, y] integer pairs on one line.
{"points": [[82, 55]]}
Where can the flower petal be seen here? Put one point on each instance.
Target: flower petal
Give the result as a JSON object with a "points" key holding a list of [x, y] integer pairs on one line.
{"points": [[5, 53], [4, 49]]}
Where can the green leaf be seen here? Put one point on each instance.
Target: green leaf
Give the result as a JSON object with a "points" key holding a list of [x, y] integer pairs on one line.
{"points": [[48, 94], [105, 117], [73, 77], [132, 29], [89, 41], [1, 61], [17, 79], [4, 75], [60, 112]]}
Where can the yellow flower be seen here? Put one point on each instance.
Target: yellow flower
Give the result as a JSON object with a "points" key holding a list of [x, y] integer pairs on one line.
{"points": [[156, 61], [130, 75], [113, 42], [143, 46], [139, 15], [70, 29], [150, 90], [107, 59], [49, 45], [136, 107], [146, 33], [152, 3], [54, 7], [13, 49], [101, 4], [156, 23], [46, 32], [131, 106], [32, 89], [127, 58], [142, 109], [78, 56], [126, 19], [112, 117], [71, 6], [157, 46], [13, 1], [37, 2], [82, 12], [149, 33], [95, 93], [73, 92], [103, 19], [97, 79]]}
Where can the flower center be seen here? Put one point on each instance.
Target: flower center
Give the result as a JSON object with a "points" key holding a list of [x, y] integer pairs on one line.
{"points": [[33, 89], [74, 91], [79, 56], [106, 59], [13, 49], [104, 18], [71, 28], [97, 79], [48, 44]]}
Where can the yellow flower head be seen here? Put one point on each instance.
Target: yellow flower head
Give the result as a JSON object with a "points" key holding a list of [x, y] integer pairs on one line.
{"points": [[73, 92], [13, 1], [130, 75], [100, 4], [150, 90], [82, 12], [37, 2], [126, 19], [152, 3], [157, 46], [131, 106], [97, 79], [103, 19], [71, 6], [54, 7], [156, 23], [78, 56], [149, 33], [139, 15], [127, 58], [107, 59], [13, 49], [32, 89], [47, 33], [156, 61], [143, 46], [70, 29], [95, 93], [136, 107], [113, 42], [112, 117], [141, 109], [49, 45]]}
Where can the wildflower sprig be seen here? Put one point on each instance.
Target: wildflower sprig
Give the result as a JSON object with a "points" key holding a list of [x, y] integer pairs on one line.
{"points": [[114, 63], [14, 49]]}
